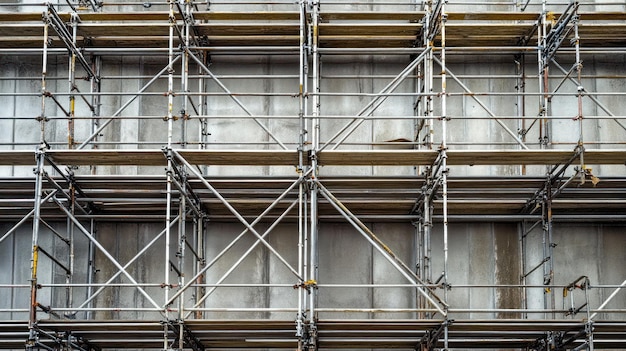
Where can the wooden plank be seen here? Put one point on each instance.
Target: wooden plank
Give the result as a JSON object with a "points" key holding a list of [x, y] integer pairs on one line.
{"points": [[22, 30], [493, 16], [247, 16], [378, 29], [162, 29], [602, 16], [409, 16], [466, 157], [152, 157], [489, 29], [371, 41]]}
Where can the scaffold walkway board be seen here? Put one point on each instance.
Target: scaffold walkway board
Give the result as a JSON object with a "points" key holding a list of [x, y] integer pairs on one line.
{"points": [[336, 29], [154, 157], [377, 198], [332, 334]]}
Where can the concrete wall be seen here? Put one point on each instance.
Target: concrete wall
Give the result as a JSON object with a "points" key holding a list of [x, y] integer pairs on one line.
{"points": [[479, 254]]}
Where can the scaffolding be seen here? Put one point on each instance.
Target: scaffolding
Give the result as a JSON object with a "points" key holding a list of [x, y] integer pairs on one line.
{"points": [[71, 188]]}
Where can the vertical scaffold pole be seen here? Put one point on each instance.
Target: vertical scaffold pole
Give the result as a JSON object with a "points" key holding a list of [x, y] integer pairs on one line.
{"points": [[520, 88], [444, 162], [203, 109], [39, 171], [542, 67], [315, 145], [91, 269], [72, 85], [96, 64], [184, 75], [303, 77], [544, 139], [428, 79], [548, 268], [169, 170], [180, 254], [579, 94], [420, 111], [32, 316], [44, 72], [200, 226], [70, 235]]}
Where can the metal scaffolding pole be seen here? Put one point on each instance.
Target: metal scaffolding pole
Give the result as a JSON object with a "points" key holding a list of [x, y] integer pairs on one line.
{"points": [[442, 18], [312, 341], [32, 316], [301, 327], [167, 284]]}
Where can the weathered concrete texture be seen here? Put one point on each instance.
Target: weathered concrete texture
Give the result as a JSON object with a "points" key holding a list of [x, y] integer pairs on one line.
{"points": [[284, 239], [344, 257], [479, 254], [123, 241], [533, 257], [590, 251], [7, 262], [15, 263], [611, 250], [401, 240], [253, 269], [507, 268]]}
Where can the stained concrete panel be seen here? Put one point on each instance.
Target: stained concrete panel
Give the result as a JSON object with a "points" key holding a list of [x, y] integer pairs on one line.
{"points": [[507, 268], [612, 257], [481, 267], [107, 237], [344, 258], [251, 270], [458, 261], [7, 69], [400, 238], [6, 260], [533, 258], [284, 239]]}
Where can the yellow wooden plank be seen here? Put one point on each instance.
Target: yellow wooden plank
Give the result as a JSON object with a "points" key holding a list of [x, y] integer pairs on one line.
{"points": [[326, 157], [369, 29], [493, 16], [409, 16]]}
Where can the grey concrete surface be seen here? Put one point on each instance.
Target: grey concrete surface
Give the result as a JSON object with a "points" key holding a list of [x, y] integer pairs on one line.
{"points": [[479, 254]]}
